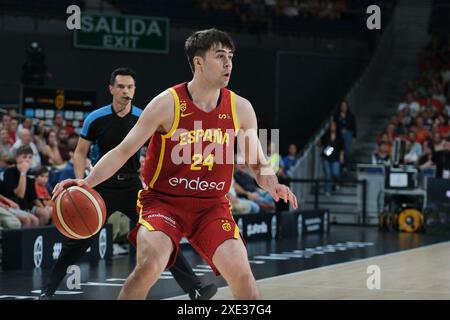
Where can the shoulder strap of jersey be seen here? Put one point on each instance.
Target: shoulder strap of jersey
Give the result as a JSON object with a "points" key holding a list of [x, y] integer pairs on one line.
{"points": [[233, 111]]}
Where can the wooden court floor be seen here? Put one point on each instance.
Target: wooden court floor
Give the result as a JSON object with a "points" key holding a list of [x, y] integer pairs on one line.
{"points": [[421, 273]]}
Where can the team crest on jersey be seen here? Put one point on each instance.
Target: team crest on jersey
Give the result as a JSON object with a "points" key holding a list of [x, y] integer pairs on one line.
{"points": [[226, 225], [183, 106]]}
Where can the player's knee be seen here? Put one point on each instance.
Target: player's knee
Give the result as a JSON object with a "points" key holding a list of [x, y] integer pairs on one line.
{"points": [[147, 269]]}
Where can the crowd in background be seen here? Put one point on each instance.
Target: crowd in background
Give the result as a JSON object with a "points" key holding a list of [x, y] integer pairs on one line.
{"points": [[258, 15], [34, 157], [421, 123], [252, 9]]}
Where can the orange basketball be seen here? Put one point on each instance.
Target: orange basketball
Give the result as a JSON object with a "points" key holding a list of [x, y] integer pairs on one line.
{"points": [[79, 212]]}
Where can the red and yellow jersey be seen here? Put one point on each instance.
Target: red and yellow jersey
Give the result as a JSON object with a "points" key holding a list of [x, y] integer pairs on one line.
{"points": [[196, 157]]}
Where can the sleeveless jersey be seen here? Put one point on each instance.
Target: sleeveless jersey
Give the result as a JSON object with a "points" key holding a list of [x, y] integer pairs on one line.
{"points": [[196, 157]]}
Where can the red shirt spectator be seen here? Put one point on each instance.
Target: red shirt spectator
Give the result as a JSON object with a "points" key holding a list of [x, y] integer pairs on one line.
{"points": [[41, 191]]}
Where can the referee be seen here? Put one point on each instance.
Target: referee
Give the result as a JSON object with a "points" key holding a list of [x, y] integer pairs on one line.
{"points": [[104, 129]]}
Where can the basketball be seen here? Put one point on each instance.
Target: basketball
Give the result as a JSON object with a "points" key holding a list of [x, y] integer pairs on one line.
{"points": [[79, 212]]}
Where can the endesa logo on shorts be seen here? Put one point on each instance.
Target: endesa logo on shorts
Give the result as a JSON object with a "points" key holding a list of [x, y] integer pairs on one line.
{"points": [[197, 184]]}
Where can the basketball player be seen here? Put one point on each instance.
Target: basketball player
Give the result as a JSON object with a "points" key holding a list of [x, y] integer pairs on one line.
{"points": [[187, 198], [105, 128]]}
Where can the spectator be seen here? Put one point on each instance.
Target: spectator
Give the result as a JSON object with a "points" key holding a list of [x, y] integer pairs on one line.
{"points": [[6, 121], [332, 156], [27, 124], [51, 154], [63, 144], [405, 117], [26, 140], [11, 209], [6, 154], [246, 186], [346, 125], [68, 171], [410, 103], [384, 138], [275, 159], [410, 157], [58, 121], [416, 147], [20, 188], [41, 187], [422, 133], [382, 155], [8, 220], [13, 131], [12, 113], [391, 132], [120, 228], [426, 159], [438, 142], [241, 205], [444, 126], [427, 115], [72, 141], [434, 104], [399, 128], [438, 95], [40, 132], [289, 161]]}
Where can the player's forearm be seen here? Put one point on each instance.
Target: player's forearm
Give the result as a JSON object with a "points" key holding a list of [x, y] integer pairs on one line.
{"points": [[79, 162], [108, 165], [264, 176]]}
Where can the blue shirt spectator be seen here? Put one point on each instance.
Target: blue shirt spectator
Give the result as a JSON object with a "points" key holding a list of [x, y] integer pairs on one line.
{"points": [[290, 161], [67, 172]]}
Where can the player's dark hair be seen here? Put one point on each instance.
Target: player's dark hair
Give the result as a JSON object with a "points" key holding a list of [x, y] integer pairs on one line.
{"points": [[123, 71], [201, 41], [23, 150]]}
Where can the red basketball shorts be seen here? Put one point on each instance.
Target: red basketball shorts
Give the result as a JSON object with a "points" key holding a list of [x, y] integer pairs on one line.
{"points": [[206, 223]]}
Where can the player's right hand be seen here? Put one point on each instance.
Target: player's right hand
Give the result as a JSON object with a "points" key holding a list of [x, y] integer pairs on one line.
{"points": [[61, 186], [280, 191]]}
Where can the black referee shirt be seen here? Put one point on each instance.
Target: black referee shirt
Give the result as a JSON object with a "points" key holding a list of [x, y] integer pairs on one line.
{"points": [[105, 129]]}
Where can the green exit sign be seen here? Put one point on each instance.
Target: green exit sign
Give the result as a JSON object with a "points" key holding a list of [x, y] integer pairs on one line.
{"points": [[124, 33]]}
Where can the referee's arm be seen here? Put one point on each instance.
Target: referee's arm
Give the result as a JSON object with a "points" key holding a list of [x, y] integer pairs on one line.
{"points": [[79, 157]]}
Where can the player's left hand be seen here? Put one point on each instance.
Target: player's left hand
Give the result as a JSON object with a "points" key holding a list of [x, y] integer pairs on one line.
{"points": [[61, 186], [280, 191]]}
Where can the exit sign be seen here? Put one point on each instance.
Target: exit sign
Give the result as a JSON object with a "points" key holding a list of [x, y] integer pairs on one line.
{"points": [[123, 33]]}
